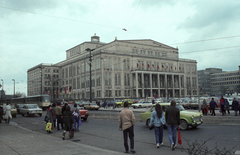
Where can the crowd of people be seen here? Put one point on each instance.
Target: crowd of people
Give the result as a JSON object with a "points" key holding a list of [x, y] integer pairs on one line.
{"points": [[224, 106], [65, 117], [171, 119]]}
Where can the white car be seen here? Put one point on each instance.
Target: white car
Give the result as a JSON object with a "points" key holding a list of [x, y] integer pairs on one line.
{"points": [[142, 104], [31, 109]]}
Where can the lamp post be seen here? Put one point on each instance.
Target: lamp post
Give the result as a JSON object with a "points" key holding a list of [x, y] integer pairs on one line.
{"points": [[41, 81], [2, 84], [90, 64], [13, 87]]}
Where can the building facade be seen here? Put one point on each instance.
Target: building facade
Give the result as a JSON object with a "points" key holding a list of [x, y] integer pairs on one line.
{"points": [[119, 69], [204, 80], [225, 82]]}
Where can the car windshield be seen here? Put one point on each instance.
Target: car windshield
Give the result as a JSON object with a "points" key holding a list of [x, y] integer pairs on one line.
{"points": [[93, 104], [20, 105], [32, 106], [180, 107]]}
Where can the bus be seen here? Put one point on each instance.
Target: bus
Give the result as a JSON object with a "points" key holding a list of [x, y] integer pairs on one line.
{"points": [[43, 101]]}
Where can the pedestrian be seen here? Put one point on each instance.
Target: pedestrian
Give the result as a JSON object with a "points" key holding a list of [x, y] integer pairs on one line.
{"points": [[68, 121], [50, 116], [223, 104], [235, 106], [98, 103], [204, 108], [54, 113], [153, 102], [227, 107], [239, 105], [1, 113], [64, 107], [172, 117], [158, 120], [76, 117], [105, 104], [126, 124], [58, 111], [213, 104], [8, 114]]}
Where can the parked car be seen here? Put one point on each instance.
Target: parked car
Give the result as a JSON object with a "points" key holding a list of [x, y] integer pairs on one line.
{"points": [[91, 106], [120, 104], [187, 118], [30, 110], [84, 113], [142, 104], [19, 107], [13, 111]]}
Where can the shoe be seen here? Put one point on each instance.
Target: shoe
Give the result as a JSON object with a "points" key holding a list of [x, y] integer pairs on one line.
{"points": [[175, 146], [172, 146], [132, 151], [63, 136], [161, 144], [157, 145], [126, 152]]}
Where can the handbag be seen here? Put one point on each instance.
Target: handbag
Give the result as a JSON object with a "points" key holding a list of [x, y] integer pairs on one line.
{"points": [[179, 137], [79, 122], [151, 127]]}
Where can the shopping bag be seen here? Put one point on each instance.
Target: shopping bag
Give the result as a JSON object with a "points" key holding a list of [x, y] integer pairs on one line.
{"points": [[49, 127], [79, 122], [179, 137]]}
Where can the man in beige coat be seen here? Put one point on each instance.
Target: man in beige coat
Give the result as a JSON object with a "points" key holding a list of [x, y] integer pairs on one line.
{"points": [[126, 123]]}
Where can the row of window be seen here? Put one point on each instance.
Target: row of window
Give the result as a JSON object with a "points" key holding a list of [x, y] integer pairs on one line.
{"points": [[223, 79], [224, 83], [150, 53], [228, 74]]}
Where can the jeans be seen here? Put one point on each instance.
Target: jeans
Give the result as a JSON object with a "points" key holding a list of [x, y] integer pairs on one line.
{"points": [[76, 125], [172, 132], [159, 134], [128, 132]]}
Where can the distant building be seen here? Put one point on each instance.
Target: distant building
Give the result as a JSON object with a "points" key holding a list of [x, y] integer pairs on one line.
{"points": [[225, 82], [204, 80], [120, 69]]}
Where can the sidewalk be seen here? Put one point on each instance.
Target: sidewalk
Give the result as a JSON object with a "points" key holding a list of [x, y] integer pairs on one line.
{"points": [[15, 140]]}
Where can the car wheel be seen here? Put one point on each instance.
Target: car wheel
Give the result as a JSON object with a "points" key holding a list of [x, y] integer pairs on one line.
{"points": [[148, 122], [84, 119], [40, 115], [28, 114], [22, 114], [140, 106], [118, 106], [183, 125]]}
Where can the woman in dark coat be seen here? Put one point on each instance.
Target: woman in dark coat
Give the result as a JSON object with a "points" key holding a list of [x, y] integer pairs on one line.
{"points": [[67, 120]]}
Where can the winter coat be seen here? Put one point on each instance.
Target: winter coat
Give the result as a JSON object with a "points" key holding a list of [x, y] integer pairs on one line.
{"points": [[172, 116], [50, 115], [58, 110], [227, 105], [235, 105], [54, 113], [7, 112], [157, 122], [126, 119], [68, 120], [213, 104], [204, 104], [222, 101]]}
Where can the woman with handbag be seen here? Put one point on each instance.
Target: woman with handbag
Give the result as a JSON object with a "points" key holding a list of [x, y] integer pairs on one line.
{"points": [[49, 119], [158, 121]]}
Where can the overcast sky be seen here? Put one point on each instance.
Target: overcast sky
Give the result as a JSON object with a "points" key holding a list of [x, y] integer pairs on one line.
{"points": [[40, 31]]}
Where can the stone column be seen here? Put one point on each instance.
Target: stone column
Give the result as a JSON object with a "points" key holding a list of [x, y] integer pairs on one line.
{"points": [[158, 84], [166, 86], [143, 87], [136, 77], [150, 80]]}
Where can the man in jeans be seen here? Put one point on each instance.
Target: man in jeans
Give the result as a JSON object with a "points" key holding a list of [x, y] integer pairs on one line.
{"points": [[126, 123], [58, 111], [172, 117]]}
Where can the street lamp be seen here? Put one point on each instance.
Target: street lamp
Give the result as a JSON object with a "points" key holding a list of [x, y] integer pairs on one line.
{"points": [[90, 64], [2, 83], [13, 87]]}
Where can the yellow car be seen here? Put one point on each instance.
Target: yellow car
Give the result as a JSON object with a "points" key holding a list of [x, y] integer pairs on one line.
{"points": [[187, 118], [13, 111], [120, 104], [91, 106]]}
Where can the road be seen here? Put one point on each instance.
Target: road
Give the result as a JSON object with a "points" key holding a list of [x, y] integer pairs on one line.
{"points": [[101, 130]]}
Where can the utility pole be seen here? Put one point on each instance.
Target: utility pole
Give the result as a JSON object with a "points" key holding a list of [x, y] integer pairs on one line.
{"points": [[90, 64]]}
